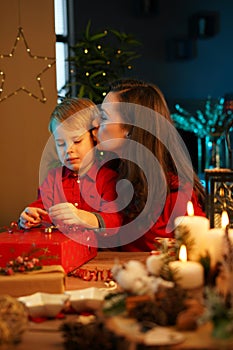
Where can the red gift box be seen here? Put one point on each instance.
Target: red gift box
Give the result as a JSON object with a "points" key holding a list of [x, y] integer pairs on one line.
{"points": [[53, 248]]}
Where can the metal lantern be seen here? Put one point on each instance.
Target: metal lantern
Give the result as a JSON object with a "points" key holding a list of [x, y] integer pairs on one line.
{"points": [[219, 195], [219, 186]]}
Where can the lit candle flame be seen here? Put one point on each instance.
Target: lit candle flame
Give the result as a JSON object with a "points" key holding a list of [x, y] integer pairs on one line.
{"points": [[183, 253], [190, 209], [225, 219]]}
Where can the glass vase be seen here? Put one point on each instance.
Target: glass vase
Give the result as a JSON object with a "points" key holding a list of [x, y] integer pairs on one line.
{"points": [[214, 152]]}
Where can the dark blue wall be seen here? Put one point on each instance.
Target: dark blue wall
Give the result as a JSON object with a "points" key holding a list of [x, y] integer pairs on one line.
{"points": [[185, 81], [209, 73]]}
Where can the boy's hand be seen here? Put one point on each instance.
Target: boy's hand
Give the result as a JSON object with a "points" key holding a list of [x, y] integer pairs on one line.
{"points": [[64, 213], [31, 217], [67, 214]]}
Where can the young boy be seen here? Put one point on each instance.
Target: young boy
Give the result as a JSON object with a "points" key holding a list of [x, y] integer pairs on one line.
{"points": [[81, 192]]}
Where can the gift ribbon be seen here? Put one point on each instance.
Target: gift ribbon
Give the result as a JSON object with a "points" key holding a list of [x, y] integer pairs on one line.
{"points": [[92, 275]]}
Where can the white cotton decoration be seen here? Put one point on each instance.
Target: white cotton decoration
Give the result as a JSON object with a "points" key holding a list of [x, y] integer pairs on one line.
{"points": [[133, 277], [136, 267], [145, 285], [154, 264], [128, 273]]}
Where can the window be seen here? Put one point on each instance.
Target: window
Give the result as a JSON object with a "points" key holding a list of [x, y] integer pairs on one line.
{"points": [[61, 30]]}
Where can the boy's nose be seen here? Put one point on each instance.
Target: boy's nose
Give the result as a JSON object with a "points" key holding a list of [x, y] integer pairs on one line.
{"points": [[69, 147]]}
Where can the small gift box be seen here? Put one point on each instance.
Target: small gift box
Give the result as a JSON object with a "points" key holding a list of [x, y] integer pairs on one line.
{"points": [[49, 279], [53, 248]]}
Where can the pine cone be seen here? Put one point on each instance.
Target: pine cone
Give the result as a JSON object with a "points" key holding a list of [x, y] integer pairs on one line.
{"points": [[94, 336], [13, 319], [164, 309]]}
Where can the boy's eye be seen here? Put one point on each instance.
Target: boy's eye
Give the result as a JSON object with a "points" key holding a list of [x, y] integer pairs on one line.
{"points": [[60, 144], [77, 141]]}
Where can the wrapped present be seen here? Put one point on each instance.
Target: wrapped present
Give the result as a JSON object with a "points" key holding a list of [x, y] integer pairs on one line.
{"points": [[49, 279], [52, 248]]}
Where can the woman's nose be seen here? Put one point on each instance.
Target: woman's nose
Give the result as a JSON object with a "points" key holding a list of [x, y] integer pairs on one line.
{"points": [[96, 121]]}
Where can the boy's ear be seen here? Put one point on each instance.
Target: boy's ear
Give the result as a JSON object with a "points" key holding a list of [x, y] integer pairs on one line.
{"points": [[94, 134]]}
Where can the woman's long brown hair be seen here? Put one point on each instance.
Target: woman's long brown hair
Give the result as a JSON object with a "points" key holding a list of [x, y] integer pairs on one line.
{"points": [[137, 93]]}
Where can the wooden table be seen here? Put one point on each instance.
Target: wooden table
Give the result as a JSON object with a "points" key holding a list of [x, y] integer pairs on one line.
{"points": [[46, 335], [103, 261]]}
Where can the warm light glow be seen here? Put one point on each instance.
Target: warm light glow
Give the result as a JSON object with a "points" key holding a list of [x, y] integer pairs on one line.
{"points": [[190, 209], [183, 253], [225, 219]]}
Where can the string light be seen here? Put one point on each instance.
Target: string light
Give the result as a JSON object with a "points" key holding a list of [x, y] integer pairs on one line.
{"points": [[3, 77], [104, 56]]}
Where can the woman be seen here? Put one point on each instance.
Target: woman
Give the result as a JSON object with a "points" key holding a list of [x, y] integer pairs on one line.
{"points": [[135, 123]]}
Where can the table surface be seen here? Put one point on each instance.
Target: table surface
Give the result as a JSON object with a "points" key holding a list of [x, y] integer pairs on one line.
{"points": [[46, 335]]}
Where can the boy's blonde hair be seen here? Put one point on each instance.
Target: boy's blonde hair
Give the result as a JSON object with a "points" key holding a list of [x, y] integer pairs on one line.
{"points": [[74, 113]]}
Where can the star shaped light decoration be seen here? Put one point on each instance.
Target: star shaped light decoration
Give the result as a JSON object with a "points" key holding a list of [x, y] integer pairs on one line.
{"points": [[50, 61]]}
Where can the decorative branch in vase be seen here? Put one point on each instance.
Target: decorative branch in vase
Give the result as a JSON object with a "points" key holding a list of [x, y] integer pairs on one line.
{"points": [[208, 125]]}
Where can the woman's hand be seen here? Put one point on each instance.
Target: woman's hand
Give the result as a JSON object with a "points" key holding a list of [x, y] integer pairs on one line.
{"points": [[68, 214], [31, 217]]}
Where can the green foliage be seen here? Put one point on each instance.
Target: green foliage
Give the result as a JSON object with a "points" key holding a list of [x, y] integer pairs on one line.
{"points": [[217, 311], [183, 237], [115, 303], [100, 58]]}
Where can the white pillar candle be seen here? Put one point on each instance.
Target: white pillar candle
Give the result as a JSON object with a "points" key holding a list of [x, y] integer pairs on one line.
{"points": [[215, 245], [198, 227], [215, 240], [190, 274]]}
